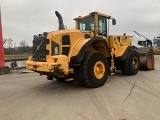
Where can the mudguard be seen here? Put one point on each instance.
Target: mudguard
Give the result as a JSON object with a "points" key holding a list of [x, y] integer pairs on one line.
{"points": [[79, 57]]}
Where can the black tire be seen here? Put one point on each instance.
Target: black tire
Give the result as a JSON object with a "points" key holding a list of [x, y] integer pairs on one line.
{"points": [[88, 64], [49, 77], [129, 68]]}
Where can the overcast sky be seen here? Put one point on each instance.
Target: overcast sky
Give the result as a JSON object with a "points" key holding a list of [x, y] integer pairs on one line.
{"points": [[21, 19]]}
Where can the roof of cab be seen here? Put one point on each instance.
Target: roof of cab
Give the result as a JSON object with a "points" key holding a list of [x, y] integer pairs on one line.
{"points": [[92, 13]]}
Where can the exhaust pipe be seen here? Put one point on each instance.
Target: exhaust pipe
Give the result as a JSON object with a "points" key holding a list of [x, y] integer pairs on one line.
{"points": [[60, 20]]}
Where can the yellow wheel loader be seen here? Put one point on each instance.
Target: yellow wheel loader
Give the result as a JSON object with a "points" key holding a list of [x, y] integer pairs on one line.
{"points": [[86, 54]]}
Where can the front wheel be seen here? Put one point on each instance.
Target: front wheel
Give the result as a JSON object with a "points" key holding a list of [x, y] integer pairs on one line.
{"points": [[131, 63], [95, 69]]}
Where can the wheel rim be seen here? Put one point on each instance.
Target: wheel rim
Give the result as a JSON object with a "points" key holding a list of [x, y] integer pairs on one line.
{"points": [[99, 69], [135, 63]]}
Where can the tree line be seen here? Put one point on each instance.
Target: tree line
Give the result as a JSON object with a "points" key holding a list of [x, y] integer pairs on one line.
{"points": [[11, 48]]}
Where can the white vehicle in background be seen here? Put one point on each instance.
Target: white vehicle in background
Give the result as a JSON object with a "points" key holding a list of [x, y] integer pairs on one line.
{"points": [[136, 39], [141, 41]]}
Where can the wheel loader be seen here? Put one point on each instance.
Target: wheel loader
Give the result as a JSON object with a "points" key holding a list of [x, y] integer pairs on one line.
{"points": [[86, 54]]}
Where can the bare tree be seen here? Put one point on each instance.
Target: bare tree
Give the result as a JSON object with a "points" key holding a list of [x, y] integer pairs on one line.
{"points": [[23, 43], [10, 42], [10, 47], [14, 44], [4, 40]]}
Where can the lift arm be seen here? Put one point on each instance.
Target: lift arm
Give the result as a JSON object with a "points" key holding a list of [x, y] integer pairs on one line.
{"points": [[140, 35], [149, 42]]}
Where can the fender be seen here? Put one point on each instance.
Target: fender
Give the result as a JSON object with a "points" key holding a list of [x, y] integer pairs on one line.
{"points": [[79, 57], [119, 60], [123, 57]]}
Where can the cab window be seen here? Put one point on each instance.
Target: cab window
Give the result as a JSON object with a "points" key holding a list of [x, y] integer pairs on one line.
{"points": [[86, 24], [102, 24]]}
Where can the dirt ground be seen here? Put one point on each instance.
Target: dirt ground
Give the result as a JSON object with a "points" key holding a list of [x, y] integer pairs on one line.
{"points": [[29, 96]]}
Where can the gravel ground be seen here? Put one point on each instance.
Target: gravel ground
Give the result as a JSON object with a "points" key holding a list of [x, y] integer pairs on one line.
{"points": [[29, 96]]}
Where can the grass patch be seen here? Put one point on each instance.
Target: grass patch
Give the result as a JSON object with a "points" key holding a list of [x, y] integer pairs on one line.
{"points": [[16, 57]]}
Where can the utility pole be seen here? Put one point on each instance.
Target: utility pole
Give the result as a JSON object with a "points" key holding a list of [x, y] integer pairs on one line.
{"points": [[2, 63]]}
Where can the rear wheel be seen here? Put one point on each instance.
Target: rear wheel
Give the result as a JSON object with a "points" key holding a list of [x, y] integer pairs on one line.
{"points": [[131, 64], [95, 69]]}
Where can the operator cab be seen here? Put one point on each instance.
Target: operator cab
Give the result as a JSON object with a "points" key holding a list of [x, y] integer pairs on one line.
{"points": [[95, 22]]}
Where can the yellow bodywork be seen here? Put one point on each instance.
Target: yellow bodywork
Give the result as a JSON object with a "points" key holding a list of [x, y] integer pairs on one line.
{"points": [[75, 37], [53, 61], [124, 40], [56, 36], [115, 48]]}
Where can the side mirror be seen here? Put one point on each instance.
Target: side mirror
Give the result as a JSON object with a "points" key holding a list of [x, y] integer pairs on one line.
{"points": [[113, 21]]}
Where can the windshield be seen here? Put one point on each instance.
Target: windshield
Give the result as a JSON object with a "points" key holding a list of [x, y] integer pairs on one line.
{"points": [[86, 24]]}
